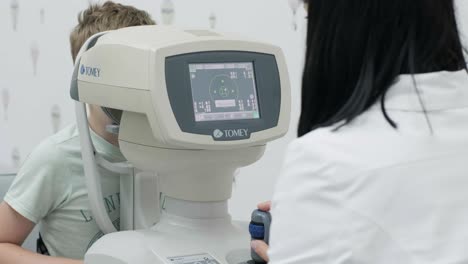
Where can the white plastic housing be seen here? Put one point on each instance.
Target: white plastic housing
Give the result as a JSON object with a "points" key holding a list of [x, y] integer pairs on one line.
{"points": [[131, 65]]}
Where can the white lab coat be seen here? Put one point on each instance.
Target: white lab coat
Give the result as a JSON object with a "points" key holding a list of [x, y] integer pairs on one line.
{"points": [[370, 194]]}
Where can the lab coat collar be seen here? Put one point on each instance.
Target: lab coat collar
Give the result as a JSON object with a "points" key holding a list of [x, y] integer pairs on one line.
{"points": [[438, 91]]}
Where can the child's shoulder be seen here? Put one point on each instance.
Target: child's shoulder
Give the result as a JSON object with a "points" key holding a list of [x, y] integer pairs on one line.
{"points": [[58, 148], [68, 135]]}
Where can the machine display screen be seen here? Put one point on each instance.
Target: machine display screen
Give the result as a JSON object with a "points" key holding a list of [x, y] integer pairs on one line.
{"points": [[224, 91]]}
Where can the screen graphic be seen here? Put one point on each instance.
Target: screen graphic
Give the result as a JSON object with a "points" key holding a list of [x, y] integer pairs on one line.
{"points": [[224, 91]]}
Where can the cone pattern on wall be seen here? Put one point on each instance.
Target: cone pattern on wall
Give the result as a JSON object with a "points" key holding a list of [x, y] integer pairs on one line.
{"points": [[34, 56], [56, 118], [5, 102], [16, 158], [42, 15], [213, 19], [14, 10], [167, 12], [294, 5]]}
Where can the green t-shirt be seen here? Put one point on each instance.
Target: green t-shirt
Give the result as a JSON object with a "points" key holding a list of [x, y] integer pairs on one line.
{"points": [[50, 189]]}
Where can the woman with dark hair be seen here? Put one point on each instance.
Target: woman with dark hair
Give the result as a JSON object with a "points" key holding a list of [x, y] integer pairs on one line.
{"points": [[380, 171]]}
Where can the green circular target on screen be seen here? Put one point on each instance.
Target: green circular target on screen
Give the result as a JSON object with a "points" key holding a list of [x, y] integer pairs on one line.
{"points": [[222, 87]]}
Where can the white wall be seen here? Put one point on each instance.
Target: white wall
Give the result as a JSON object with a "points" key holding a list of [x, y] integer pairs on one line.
{"points": [[32, 97], [462, 6]]}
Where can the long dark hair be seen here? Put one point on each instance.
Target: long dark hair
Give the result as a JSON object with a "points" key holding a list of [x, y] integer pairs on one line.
{"points": [[356, 50]]}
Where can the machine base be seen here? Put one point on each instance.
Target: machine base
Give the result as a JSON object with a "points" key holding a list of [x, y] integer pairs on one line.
{"points": [[176, 240]]}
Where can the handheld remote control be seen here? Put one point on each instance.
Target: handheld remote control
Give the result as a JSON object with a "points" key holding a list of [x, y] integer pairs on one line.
{"points": [[259, 229]]}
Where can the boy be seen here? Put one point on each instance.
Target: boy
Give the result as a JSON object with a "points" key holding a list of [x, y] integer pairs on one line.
{"points": [[50, 188]]}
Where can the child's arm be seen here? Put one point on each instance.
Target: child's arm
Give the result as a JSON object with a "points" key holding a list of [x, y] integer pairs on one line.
{"points": [[14, 229]]}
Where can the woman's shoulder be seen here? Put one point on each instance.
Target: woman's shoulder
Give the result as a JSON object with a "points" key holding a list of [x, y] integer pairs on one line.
{"points": [[356, 146]]}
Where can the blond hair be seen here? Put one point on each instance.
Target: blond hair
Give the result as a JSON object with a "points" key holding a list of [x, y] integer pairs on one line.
{"points": [[108, 16]]}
